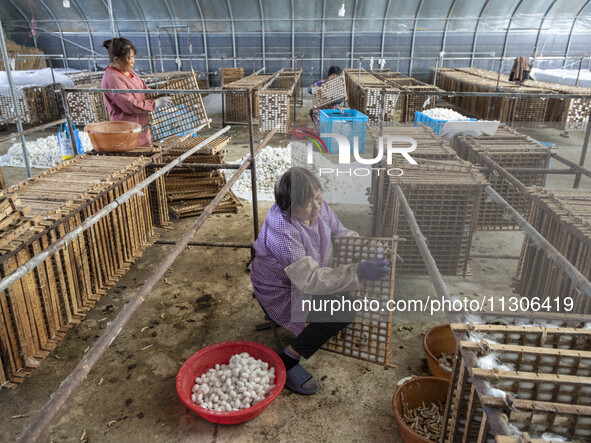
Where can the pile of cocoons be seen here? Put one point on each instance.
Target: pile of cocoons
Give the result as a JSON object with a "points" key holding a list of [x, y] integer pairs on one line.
{"points": [[43, 152], [242, 383], [443, 114]]}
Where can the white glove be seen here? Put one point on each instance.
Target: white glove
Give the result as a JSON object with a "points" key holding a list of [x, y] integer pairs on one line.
{"points": [[163, 101]]}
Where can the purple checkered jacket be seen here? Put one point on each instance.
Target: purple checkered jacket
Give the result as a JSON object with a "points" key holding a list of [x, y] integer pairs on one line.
{"points": [[283, 241]]}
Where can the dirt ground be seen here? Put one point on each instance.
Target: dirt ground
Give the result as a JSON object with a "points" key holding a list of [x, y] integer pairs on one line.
{"points": [[207, 298]]}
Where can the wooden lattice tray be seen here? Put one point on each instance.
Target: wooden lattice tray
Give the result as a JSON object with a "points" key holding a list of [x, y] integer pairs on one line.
{"points": [[368, 336], [547, 388], [329, 92]]}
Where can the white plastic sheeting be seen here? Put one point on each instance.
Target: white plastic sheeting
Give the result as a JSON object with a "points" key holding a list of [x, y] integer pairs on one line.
{"points": [[563, 76]]}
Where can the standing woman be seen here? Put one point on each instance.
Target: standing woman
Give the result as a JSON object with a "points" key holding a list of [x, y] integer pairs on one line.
{"points": [[130, 107]]}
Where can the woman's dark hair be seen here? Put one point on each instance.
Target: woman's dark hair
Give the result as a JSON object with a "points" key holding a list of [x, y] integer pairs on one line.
{"points": [[334, 70], [119, 47], [295, 188]]}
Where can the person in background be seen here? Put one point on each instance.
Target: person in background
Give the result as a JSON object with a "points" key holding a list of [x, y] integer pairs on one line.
{"points": [[333, 71], [520, 71], [293, 262], [131, 107]]}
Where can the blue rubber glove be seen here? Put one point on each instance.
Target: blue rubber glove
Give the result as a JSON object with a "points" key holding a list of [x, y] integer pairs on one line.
{"points": [[374, 269]]}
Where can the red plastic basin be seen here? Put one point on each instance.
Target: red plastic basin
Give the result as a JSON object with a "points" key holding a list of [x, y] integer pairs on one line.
{"points": [[220, 353]]}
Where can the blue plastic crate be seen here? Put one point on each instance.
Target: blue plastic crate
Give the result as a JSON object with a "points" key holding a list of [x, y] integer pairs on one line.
{"points": [[347, 122], [434, 123]]}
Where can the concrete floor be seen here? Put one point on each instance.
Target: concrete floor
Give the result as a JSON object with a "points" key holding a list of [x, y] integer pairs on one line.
{"points": [[207, 298]]}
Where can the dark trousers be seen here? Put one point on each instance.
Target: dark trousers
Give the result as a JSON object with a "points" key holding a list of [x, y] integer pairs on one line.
{"points": [[319, 331]]}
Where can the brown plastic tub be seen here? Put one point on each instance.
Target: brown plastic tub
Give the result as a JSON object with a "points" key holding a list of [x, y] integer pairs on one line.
{"points": [[113, 136], [414, 392], [438, 340]]}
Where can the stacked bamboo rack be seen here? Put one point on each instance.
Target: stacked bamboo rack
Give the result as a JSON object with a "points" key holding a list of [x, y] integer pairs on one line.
{"points": [[364, 92], [571, 114], [189, 190], [523, 109], [509, 149], [37, 310], [229, 75], [156, 189], [409, 103], [564, 219], [546, 389], [445, 197], [35, 104], [275, 101], [236, 109]]}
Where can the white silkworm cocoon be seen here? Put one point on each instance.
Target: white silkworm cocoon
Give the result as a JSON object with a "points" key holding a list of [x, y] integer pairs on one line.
{"points": [[238, 385]]}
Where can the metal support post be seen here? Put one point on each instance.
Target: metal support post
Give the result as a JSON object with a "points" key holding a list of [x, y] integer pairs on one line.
{"points": [[253, 173], [19, 124], [583, 153]]}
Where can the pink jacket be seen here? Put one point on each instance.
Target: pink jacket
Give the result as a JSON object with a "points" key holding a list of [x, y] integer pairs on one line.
{"points": [[132, 107]]}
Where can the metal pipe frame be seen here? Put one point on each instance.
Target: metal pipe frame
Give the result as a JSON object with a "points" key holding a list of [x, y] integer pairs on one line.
{"points": [[188, 57], [293, 61], [22, 270], [111, 17], [176, 37], [204, 36], [412, 41], [26, 20], [253, 172], [386, 12], [32, 130], [475, 39], [353, 34], [147, 34], [19, 124], [57, 34], [233, 31], [507, 37], [578, 279], [497, 425], [438, 93], [262, 32], [250, 20], [572, 28], [322, 39], [540, 29], [89, 31], [444, 39], [583, 153], [206, 244], [59, 28], [77, 376], [106, 5]]}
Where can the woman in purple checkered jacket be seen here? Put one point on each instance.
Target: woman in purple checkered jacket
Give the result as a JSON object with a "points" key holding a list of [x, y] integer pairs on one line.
{"points": [[333, 71], [293, 263]]}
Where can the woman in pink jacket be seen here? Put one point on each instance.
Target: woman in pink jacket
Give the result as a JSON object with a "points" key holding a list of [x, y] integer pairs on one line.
{"points": [[131, 107]]}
